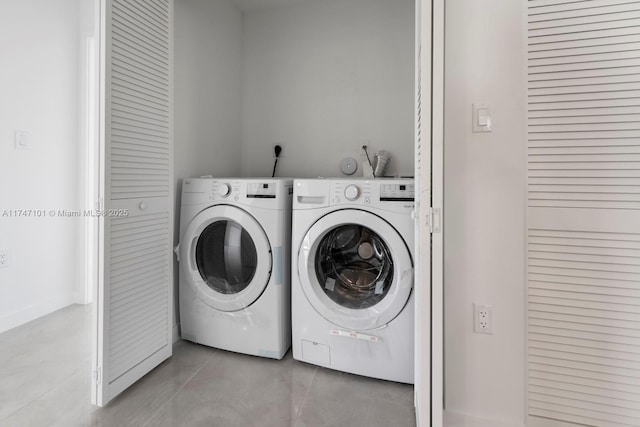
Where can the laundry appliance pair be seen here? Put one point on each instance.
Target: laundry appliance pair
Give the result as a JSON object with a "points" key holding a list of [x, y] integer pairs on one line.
{"points": [[328, 262]]}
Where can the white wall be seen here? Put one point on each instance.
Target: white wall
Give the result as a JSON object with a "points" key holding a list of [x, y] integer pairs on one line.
{"points": [[207, 102], [88, 145], [484, 213], [324, 78], [208, 68], [38, 83]]}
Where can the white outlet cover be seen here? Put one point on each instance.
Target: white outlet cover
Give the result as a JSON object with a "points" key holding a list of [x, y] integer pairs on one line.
{"points": [[4, 259], [482, 319]]}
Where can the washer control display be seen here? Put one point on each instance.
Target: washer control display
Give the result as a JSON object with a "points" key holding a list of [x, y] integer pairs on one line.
{"points": [[260, 190], [397, 192]]}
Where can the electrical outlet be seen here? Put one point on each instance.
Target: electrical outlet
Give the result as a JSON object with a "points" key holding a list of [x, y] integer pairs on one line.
{"points": [[282, 148], [482, 319], [4, 259]]}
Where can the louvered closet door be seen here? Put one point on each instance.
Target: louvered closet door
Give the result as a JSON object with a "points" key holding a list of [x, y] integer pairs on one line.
{"points": [[583, 247], [429, 167], [135, 298]]}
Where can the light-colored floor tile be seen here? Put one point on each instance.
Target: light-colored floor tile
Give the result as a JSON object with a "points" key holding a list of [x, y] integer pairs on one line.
{"points": [[140, 402], [38, 357], [238, 390], [56, 405], [347, 412], [45, 381], [341, 399], [338, 384]]}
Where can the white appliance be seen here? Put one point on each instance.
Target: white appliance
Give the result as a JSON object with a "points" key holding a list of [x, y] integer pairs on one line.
{"points": [[234, 258], [352, 277]]}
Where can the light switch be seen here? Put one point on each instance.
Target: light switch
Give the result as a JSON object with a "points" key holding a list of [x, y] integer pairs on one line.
{"points": [[481, 118], [21, 139]]}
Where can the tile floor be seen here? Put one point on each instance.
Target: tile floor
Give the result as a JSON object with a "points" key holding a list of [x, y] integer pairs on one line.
{"points": [[44, 381]]}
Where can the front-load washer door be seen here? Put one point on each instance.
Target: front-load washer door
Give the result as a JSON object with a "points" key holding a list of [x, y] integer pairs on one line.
{"points": [[355, 269], [226, 256]]}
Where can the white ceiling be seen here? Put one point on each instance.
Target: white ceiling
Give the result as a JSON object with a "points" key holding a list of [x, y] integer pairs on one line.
{"points": [[255, 5]]}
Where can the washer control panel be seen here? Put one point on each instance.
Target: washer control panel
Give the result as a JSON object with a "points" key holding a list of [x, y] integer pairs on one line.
{"points": [[224, 190], [351, 192], [378, 191], [267, 193]]}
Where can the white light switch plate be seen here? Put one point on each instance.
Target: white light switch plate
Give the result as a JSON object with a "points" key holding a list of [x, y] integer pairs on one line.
{"points": [[481, 118], [21, 139]]}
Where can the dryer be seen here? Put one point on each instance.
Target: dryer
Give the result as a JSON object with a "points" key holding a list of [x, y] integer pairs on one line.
{"points": [[234, 254], [352, 276]]}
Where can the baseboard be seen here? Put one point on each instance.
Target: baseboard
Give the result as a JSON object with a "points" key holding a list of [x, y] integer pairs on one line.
{"points": [[79, 298], [32, 312], [459, 419], [176, 333]]}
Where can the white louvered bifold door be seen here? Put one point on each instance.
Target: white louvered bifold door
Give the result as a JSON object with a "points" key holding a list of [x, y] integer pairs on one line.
{"points": [[429, 250], [135, 296], [423, 205], [583, 246]]}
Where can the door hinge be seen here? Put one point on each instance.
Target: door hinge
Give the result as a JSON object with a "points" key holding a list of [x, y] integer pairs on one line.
{"points": [[433, 220], [97, 375]]}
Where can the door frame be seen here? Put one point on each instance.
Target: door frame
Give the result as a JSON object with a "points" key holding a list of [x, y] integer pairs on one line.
{"points": [[429, 161], [437, 197]]}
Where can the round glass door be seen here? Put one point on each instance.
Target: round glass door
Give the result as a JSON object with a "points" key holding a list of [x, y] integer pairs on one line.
{"points": [[226, 257], [355, 266], [355, 269]]}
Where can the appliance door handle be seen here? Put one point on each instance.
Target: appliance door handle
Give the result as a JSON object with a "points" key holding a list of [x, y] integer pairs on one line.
{"points": [[192, 253], [309, 200]]}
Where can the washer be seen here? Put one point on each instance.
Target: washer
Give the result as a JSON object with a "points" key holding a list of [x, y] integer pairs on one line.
{"points": [[352, 277], [235, 266]]}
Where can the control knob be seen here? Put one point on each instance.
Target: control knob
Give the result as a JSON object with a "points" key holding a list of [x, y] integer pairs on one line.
{"points": [[352, 192], [224, 190]]}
